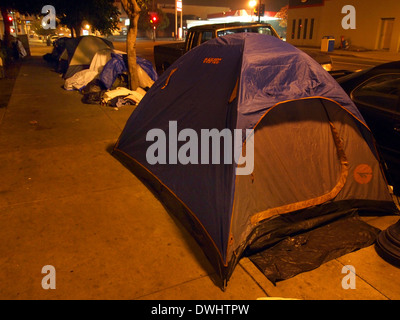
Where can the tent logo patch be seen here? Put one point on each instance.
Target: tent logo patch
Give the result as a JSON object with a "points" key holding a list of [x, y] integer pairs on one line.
{"points": [[363, 173], [212, 60]]}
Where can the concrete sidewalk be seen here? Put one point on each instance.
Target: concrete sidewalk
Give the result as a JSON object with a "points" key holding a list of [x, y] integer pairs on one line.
{"points": [[378, 55], [66, 202]]}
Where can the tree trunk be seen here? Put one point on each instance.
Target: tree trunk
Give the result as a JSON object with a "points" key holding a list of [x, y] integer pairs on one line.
{"points": [[133, 11], [77, 30], [131, 51], [72, 31]]}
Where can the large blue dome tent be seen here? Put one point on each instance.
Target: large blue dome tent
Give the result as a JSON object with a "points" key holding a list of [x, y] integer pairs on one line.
{"points": [[314, 155]]}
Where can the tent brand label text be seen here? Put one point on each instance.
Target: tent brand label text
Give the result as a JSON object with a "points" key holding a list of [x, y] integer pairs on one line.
{"points": [[212, 60]]}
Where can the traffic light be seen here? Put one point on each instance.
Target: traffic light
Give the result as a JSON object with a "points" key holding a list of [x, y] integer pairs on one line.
{"points": [[10, 19], [154, 19], [262, 10]]}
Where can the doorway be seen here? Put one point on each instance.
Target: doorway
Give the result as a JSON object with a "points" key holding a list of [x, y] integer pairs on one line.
{"points": [[385, 34]]}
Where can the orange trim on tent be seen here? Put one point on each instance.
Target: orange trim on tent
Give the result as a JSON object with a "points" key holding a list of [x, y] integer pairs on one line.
{"points": [[169, 77], [284, 209], [318, 200], [234, 92]]}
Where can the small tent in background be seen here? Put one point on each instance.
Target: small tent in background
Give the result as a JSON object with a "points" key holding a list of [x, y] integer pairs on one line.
{"points": [[81, 78], [80, 51], [314, 156], [85, 58], [59, 55]]}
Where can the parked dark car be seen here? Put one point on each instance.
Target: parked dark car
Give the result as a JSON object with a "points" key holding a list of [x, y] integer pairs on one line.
{"points": [[376, 92]]}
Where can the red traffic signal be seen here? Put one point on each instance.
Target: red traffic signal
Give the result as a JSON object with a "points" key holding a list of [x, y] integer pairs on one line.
{"points": [[153, 17], [10, 18]]}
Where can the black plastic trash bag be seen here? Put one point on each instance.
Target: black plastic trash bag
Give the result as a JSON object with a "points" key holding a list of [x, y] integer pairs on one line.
{"points": [[307, 251], [93, 92]]}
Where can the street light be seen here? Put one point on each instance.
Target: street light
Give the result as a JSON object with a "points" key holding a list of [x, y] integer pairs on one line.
{"points": [[252, 5], [257, 11]]}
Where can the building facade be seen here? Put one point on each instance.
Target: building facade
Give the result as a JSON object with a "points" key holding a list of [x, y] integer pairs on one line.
{"points": [[377, 23]]}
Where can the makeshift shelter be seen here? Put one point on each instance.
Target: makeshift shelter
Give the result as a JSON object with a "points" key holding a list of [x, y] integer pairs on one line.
{"points": [[58, 49], [80, 51], [313, 154], [117, 66], [83, 77]]}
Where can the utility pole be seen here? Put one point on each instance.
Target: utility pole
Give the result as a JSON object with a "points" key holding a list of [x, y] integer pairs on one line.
{"points": [[181, 20], [176, 20], [178, 8]]}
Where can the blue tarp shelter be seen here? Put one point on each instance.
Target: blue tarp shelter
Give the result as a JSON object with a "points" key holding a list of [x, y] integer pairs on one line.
{"points": [[116, 65], [313, 154]]}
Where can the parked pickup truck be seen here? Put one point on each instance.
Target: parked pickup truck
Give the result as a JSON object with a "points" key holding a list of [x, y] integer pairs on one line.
{"points": [[165, 55]]}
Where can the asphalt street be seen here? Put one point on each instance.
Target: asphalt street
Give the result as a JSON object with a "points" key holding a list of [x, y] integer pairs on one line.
{"points": [[144, 49]]}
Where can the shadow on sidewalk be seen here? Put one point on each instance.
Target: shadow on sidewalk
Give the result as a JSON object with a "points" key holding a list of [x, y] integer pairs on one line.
{"points": [[176, 214], [7, 83]]}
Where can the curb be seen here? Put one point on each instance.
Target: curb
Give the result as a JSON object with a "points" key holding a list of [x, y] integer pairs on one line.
{"points": [[361, 55]]}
